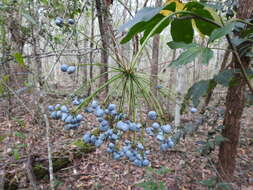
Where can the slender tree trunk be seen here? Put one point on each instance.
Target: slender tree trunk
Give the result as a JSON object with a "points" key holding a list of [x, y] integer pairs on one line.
{"points": [[103, 20], [155, 60], [91, 45], [234, 109]]}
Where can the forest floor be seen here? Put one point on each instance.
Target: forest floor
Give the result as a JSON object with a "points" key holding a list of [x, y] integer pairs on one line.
{"points": [[181, 168]]}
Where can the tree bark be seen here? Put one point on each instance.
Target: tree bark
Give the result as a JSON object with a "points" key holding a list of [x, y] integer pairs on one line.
{"points": [[234, 109], [155, 60], [103, 20]]}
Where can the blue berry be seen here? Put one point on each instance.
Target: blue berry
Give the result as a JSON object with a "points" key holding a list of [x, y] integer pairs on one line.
{"points": [[166, 128], [122, 126], [156, 125], [111, 107], [64, 67], [71, 21], [98, 142], [89, 110], [94, 104], [152, 115], [111, 145], [193, 110], [53, 115], [58, 114], [50, 108], [64, 116], [64, 109], [160, 137], [99, 112], [57, 106], [58, 21], [145, 162], [116, 156], [86, 137], [71, 126], [140, 146], [79, 118], [71, 69], [69, 119]]}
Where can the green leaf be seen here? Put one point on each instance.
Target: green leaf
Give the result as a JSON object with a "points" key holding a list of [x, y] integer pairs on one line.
{"points": [[219, 139], [204, 27], [224, 77], [21, 135], [16, 154], [209, 182], [220, 32], [207, 55], [139, 27], [182, 31], [145, 20], [198, 90], [29, 18], [142, 15], [19, 58], [186, 57], [193, 5], [152, 23], [163, 171], [176, 45]]}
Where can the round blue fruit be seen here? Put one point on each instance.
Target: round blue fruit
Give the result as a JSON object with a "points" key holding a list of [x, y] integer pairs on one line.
{"points": [[152, 115], [64, 109], [64, 67], [50, 108], [166, 128], [59, 21], [71, 69], [156, 125], [71, 21], [193, 110]]}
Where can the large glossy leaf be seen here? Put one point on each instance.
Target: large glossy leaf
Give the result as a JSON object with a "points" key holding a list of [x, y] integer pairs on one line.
{"points": [[176, 45], [193, 5], [152, 23], [139, 27], [204, 27], [144, 14], [182, 31], [220, 32], [145, 20]]}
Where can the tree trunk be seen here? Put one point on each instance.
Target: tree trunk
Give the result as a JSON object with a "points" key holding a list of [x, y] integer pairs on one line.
{"points": [[91, 46], [234, 109], [103, 20]]}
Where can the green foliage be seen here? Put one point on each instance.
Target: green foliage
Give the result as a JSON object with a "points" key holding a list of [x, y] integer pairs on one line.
{"points": [[145, 20], [192, 51], [19, 58], [204, 27], [182, 31], [220, 32], [151, 183], [198, 90], [213, 183]]}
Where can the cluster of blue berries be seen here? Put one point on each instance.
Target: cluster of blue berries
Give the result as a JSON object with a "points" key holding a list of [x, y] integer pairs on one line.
{"points": [[59, 21], [68, 69], [62, 112], [134, 152], [160, 132]]}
